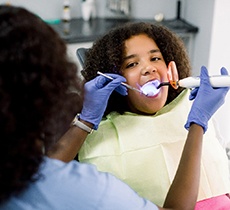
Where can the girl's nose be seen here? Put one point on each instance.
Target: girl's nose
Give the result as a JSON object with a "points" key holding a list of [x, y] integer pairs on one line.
{"points": [[148, 69]]}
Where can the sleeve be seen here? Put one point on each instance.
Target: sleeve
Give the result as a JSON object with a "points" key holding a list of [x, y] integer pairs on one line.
{"points": [[119, 195], [81, 186]]}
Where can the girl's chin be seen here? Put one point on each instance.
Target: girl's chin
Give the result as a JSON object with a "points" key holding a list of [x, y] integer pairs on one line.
{"points": [[148, 113]]}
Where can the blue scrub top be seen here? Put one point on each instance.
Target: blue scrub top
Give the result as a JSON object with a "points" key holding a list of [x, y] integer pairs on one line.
{"points": [[77, 186]]}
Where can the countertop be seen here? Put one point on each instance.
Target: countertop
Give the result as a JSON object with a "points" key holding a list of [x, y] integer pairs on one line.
{"points": [[78, 30]]}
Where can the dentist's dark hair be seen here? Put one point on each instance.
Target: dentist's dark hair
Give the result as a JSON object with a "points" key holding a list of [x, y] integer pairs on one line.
{"points": [[36, 79]]}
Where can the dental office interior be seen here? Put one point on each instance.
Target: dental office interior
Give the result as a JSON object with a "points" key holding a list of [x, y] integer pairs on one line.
{"points": [[208, 43]]}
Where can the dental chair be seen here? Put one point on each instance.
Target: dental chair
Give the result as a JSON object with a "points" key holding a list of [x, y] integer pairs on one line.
{"points": [[81, 54]]}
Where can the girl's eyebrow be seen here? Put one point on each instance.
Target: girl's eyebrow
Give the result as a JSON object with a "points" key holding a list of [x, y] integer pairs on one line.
{"points": [[130, 56], [154, 51], [134, 55]]}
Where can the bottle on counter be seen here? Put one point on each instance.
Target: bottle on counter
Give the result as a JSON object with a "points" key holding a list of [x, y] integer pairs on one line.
{"points": [[66, 11], [88, 9]]}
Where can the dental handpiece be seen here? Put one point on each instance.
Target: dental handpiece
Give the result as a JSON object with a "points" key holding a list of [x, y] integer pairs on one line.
{"points": [[216, 81], [192, 82]]}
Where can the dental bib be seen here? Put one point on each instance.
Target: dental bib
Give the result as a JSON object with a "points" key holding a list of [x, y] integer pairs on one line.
{"points": [[140, 151]]}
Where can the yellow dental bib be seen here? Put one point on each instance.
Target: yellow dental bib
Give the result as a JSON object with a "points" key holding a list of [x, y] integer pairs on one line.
{"points": [[144, 151]]}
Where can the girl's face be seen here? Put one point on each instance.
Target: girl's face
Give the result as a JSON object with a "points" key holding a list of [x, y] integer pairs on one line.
{"points": [[143, 62]]}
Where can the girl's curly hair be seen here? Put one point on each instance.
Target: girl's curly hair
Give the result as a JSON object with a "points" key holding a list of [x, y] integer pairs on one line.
{"points": [[107, 55], [36, 103]]}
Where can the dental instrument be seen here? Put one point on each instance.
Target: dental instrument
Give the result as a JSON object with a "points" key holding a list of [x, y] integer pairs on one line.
{"points": [[192, 82], [124, 84]]}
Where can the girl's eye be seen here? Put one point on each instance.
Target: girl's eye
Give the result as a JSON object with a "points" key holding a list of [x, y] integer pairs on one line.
{"points": [[155, 59], [130, 65]]}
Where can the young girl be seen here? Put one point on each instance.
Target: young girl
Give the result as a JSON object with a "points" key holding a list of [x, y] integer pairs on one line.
{"points": [[141, 138]]}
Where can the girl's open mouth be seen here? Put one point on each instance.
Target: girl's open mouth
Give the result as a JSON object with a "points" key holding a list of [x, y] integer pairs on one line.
{"points": [[150, 88]]}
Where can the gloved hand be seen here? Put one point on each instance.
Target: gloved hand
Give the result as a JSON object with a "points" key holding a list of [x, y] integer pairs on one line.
{"points": [[207, 100], [96, 96]]}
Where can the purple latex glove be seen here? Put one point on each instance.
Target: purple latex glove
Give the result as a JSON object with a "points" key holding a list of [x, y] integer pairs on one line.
{"points": [[97, 93], [207, 100]]}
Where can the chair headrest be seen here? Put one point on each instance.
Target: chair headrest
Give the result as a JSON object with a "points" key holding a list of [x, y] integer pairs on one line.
{"points": [[81, 54]]}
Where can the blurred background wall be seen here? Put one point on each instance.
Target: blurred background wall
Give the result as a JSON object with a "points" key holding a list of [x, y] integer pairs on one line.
{"points": [[211, 46]]}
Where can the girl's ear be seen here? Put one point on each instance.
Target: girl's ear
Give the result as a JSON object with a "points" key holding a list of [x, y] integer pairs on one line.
{"points": [[173, 74]]}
